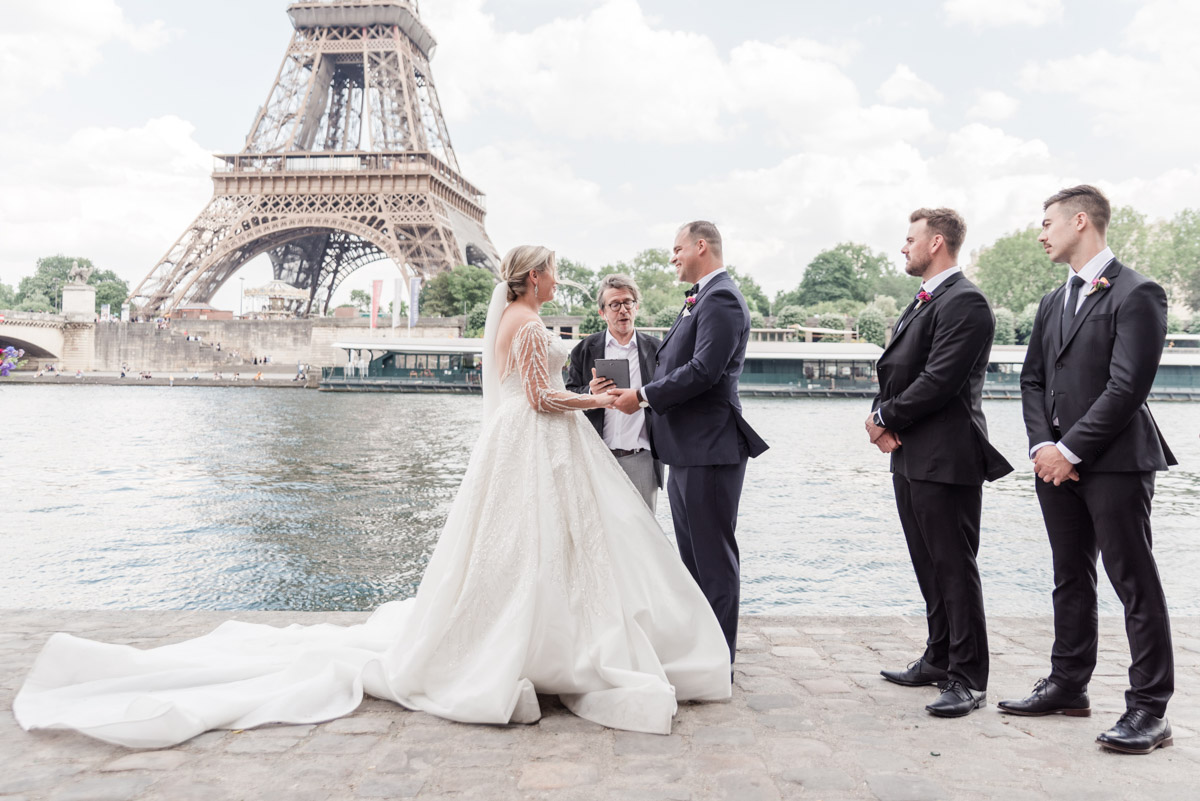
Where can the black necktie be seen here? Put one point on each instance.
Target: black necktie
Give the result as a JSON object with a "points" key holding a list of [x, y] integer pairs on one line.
{"points": [[1072, 303]]}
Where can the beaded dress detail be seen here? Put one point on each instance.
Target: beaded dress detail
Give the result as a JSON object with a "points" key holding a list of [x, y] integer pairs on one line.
{"points": [[550, 576]]}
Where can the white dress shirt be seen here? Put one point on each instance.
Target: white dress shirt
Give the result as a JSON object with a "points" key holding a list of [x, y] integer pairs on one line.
{"points": [[625, 431], [1089, 273]]}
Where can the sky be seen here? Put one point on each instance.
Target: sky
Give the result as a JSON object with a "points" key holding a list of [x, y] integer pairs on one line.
{"points": [[597, 127]]}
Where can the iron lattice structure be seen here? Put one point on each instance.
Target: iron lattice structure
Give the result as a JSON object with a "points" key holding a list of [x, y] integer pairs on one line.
{"points": [[348, 162]]}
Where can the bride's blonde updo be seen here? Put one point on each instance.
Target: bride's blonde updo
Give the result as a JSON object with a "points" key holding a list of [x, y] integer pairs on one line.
{"points": [[519, 262]]}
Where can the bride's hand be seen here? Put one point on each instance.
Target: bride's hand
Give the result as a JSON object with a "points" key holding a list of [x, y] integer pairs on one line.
{"points": [[605, 400]]}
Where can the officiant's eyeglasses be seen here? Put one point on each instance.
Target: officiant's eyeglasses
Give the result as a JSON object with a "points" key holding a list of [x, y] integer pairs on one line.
{"points": [[617, 305]]}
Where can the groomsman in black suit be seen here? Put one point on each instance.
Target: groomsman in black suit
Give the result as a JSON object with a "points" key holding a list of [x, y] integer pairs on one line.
{"points": [[928, 415], [699, 431], [1092, 357]]}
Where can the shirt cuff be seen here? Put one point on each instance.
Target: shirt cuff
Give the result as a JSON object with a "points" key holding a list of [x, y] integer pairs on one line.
{"points": [[641, 396], [879, 419], [1033, 451], [1065, 451]]}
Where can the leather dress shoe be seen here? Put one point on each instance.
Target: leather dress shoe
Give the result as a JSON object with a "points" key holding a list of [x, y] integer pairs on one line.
{"points": [[917, 674], [1137, 732], [1049, 699], [957, 700]]}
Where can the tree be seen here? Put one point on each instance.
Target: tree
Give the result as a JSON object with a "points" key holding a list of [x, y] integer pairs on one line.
{"points": [[8, 297], [829, 276], [655, 277], [1006, 328], [42, 290], [1024, 324], [571, 296], [898, 285], [872, 326], [757, 319], [361, 300], [476, 319], [454, 292], [665, 318], [832, 320], [592, 322], [756, 299], [791, 315], [1184, 237], [1015, 271]]}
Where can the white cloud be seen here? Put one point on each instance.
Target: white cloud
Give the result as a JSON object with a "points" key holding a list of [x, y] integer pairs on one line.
{"points": [[903, 86], [996, 13], [1144, 92], [993, 106], [44, 43], [117, 196]]}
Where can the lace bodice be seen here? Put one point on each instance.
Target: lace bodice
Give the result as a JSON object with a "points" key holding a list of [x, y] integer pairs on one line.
{"points": [[535, 361]]}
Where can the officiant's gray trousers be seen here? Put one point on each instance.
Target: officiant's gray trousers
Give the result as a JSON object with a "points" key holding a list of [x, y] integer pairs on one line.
{"points": [[640, 469]]}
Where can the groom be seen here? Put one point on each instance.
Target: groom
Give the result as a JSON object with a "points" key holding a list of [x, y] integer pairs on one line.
{"points": [[697, 417]]}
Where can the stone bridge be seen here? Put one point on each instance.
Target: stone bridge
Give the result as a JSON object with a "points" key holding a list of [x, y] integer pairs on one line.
{"points": [[69, 341]]}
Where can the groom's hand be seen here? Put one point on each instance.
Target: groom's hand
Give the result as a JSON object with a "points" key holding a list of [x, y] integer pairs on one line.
{"points": [[888, 441], [627, 400]]}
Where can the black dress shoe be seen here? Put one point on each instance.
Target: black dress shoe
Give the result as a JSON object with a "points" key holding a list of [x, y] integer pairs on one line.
{"points": [[918, 674], [1049, 699], [1137, 732], [957, 700]]}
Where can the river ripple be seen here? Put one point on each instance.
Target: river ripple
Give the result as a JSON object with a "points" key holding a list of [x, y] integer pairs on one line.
{"points": [[253, 498]]}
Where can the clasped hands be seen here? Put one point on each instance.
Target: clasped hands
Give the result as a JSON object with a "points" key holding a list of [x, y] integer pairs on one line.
{"points": [[1051, 466], [623, 400], [884, 439]]}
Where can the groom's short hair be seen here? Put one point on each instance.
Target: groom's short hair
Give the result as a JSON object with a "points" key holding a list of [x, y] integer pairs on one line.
{"points": [[947, 222], [618, 281], [702, 229], [1086, 198]]}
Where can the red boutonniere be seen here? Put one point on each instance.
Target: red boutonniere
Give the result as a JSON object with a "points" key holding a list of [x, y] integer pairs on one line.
{"points": [[923, 297], [1099, 285]]}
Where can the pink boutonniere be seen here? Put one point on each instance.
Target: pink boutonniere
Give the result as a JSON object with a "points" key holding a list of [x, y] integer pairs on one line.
{"points": [[1099, 285], [689, 303], [923, 297]]}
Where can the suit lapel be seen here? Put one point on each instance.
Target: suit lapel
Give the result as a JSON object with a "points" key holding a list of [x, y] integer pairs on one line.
{"points": [[645, 354], [908, 317], [1089, 303]]}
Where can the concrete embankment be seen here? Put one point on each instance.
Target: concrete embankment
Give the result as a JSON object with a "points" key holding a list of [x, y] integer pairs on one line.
{"points": [[810, 719]]}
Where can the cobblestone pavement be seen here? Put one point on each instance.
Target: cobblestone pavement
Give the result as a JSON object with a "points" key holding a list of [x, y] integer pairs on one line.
{"points": [[810, 719]]}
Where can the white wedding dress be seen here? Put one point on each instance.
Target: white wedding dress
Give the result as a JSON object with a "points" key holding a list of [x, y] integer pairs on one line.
{"points": [[550, 576]]}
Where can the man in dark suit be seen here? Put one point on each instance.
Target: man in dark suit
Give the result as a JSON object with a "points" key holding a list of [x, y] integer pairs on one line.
{"points": [[1092, 357], [627, 436], [697, 418], [928, 415]]}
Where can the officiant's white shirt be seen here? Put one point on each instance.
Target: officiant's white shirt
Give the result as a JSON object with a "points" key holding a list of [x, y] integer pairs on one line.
{"points": [[625, 431]]}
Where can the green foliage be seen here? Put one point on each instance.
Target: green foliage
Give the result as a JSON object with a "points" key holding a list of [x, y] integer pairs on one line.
{"points": [[846, 308], [573, 297], [1176, 324], [756, 299], [832, 320], [456, 291], [592, 322], [655, 277], [1006, 328], [8, 297], [42, 290], [475, 320], [830, 276], [665, 318], [1015, 271], [757, 319], [1024, 324], [848, 272], [887, 306], [1193, 327], [789, 316], [361, 300], [872, 325], [897, 285], [1183, 235]]}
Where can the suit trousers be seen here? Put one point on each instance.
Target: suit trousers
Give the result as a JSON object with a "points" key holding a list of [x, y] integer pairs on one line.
{"points": [[704, 508], [1107, 514], [941, 527], [640, 469]]}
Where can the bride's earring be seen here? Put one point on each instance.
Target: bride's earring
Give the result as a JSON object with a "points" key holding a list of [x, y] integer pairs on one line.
{"points": [[535, 290]]}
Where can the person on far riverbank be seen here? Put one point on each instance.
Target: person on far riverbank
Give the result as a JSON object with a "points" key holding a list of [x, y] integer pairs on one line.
{"points": [[1092, 357], [628, 436], [929, 416]]}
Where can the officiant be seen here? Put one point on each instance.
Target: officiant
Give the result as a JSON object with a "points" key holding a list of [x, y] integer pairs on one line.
{"points": [[626, 435]]}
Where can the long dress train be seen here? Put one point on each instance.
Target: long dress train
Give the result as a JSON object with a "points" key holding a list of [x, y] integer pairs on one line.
{"points": [[550, 576]]}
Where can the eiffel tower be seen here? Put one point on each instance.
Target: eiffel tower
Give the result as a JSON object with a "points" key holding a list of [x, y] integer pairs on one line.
{"points": [[348, 162]]}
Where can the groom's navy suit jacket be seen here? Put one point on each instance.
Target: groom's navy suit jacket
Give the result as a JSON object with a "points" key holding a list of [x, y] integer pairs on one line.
{"points": [[697, 415], [931, 388]]}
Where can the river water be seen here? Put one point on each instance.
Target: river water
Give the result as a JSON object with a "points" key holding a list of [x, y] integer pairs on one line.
{"points": [[258, 498]]}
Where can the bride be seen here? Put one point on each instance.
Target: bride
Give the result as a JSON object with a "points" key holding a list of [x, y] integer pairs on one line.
{"points": [[550, 576]]}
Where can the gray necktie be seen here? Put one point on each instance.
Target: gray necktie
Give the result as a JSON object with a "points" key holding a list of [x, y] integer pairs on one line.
{"points": [[1072, 304]]}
